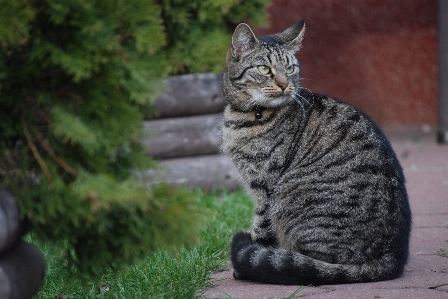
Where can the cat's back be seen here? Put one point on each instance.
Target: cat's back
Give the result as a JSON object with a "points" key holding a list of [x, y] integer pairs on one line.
{"points": [[337, 132], [343, 182]]}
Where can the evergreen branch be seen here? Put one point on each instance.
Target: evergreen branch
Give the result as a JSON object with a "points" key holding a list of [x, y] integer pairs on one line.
{"points": [[7, 161], [121, 55], [35, 152], [64, 91], [6, 171], [75, 97], [43, 116], [52, 154]]}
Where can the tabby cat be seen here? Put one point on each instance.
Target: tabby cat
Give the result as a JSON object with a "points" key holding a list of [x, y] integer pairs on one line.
{"points": [[331, 203]]}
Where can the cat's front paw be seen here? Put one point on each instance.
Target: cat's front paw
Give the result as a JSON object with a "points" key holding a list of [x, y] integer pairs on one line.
{"points": [[242, 237], [240, 240], [236, 275]]}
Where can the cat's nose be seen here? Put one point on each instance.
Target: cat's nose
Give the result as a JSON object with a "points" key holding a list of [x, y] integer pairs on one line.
{"points": [[282, 85]]}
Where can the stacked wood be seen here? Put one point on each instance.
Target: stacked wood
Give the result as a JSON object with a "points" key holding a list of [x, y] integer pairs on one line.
{"points": [[183, 136], [193, 94], [187, 134], [22, 267], [207, 172]]}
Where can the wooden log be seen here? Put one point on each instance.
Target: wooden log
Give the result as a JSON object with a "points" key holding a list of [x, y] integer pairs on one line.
{"points": [[210, 172], [183, 136], [9, 221], [192, 94], [22, 272]]}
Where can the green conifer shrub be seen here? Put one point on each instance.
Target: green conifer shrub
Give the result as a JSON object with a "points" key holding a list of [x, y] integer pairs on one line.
{"points": [[199, 31], [76, 78]]}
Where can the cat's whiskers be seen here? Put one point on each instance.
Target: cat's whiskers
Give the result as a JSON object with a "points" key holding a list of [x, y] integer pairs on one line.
{"points": [[252, 100], [252, 103], [303, 98], [300, 87], [249, 100], [300, 104], [256, 99]]}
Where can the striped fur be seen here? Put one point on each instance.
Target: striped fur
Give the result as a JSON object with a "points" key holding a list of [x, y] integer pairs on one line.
{"points": [[331, 203]]}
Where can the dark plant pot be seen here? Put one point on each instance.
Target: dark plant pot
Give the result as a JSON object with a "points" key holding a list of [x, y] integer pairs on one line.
{"points": [[22, 267]]}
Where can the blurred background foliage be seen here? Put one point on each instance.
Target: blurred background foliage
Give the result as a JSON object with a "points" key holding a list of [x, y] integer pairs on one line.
{"points": [[199, 32], [76, 78]]}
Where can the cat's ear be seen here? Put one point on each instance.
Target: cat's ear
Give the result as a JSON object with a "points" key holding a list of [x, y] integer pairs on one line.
{"points": [[243, 40], [292, 37]]}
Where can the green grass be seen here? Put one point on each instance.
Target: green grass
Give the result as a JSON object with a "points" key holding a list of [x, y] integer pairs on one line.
{"points": [[180, 273]]}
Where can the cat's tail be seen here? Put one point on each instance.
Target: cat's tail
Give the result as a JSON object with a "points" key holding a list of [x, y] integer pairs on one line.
{"points": [[253, 261]]}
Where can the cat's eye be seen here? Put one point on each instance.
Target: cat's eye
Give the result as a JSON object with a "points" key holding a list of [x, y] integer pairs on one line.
{"points": [[290, 69], [264, 70]]}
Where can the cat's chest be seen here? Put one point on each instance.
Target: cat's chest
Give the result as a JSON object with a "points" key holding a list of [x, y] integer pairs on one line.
{"points": [[262, 142]]}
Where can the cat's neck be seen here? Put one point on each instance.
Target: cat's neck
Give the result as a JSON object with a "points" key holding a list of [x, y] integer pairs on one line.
{"points": [[256, 110], [257, 114]]}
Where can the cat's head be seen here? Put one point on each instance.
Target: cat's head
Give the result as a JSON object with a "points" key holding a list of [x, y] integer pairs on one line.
{"points": [[263, 71]]}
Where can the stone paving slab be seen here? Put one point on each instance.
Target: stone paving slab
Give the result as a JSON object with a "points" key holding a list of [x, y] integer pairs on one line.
{"points": [[381, 293], [436, 220], [426, 275]]}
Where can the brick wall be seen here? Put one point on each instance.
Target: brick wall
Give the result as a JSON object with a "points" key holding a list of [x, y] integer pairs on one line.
{"points": [[380, 55]]}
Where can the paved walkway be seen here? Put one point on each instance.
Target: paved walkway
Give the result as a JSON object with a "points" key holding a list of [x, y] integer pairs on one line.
{"points": [[426, 275]]}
